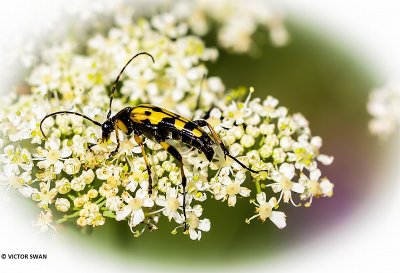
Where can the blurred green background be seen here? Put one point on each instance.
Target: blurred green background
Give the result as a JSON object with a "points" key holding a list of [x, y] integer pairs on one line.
{"points": [[315, 75]]}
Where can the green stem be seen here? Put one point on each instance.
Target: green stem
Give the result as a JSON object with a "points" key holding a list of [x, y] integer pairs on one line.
{"points": [[258, 186], [67, 217], [99, 200], [102, 203], [108, 214]]}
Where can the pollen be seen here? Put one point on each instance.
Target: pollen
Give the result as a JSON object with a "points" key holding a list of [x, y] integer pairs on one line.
{"points": [[173, 204], [136, 204], [265, 211], [233, 189], [286, 184], [53, 156]]}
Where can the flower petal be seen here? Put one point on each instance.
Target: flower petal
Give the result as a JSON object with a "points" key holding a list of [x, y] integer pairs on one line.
{"points": [[245, 192], [325, 159], [148, 202], [272, 202], [261, 198], [240, 177], [315, 174], [58, 167], [65, 152], [204, 225], [287, 170], [132, 186], [275, 175], [26, 191], [297, 187], [161, 201], [198, 210], [122, 214], [326, 187], [194, 235], [278, 218], [137, 218], [232, 200]]}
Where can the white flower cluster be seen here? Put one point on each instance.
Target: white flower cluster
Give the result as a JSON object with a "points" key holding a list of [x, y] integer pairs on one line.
{"points": [[383, 105], [61, 174], [237, 21]]}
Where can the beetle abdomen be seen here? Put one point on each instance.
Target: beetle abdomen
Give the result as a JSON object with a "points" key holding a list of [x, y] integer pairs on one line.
{"points": [[161, 124]]}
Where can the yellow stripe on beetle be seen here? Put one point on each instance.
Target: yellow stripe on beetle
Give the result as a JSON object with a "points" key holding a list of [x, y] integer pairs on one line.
{"points": [[121, 125]]}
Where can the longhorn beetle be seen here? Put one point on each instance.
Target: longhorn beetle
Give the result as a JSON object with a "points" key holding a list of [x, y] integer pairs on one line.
{"points": [[160, 125]]}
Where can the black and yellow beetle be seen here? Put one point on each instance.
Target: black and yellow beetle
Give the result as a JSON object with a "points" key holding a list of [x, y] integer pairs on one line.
{"points": [[159, 125]]}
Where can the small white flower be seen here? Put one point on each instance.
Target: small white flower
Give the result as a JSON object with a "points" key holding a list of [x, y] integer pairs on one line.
{"points": [[63, 185], [170, 203], [90, 215], [105, 172], [325, 159], [45, 196], [314, 186], [195, 225], [383, 105], [52, 156], [87, 176], [62, 204], [247, 141], [114, 203], [326, 187], [269, 107], [44, 221], [72, 166], [303, 154], [11, 176], [77, 184], [236, 113], [283, 183], [19, 158], [265, 210], [133, 208], [231, 188], [167, 24]]}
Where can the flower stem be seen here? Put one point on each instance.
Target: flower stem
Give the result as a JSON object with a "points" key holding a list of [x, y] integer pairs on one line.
{"points": [[258, 186], [67, 217], [99, 200]]}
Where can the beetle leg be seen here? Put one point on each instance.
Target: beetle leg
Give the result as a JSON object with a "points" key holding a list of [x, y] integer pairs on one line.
{"points": [[174, 152], [90, 146], [140, 142], [118, 142]]}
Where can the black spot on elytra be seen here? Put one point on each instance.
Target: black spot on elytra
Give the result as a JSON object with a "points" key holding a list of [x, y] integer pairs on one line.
{"points": [[146, 121], [190, 126], [157, 109], [147, 113], [200, 122], [168, 121]]}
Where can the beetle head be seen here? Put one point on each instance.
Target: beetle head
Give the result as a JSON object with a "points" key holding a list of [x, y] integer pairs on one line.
{"points": [[107, 128]]}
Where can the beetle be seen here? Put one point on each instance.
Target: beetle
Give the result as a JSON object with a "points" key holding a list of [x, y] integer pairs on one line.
{"points": [[160, 125]]}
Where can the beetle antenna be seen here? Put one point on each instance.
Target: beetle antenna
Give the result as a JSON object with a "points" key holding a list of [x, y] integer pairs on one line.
{"points": [[244, 166], [119, 75], [66, 112]]}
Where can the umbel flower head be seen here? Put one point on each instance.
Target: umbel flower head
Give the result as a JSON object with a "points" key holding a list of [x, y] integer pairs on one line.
{"points": [[72, 177], [383, 106]]}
